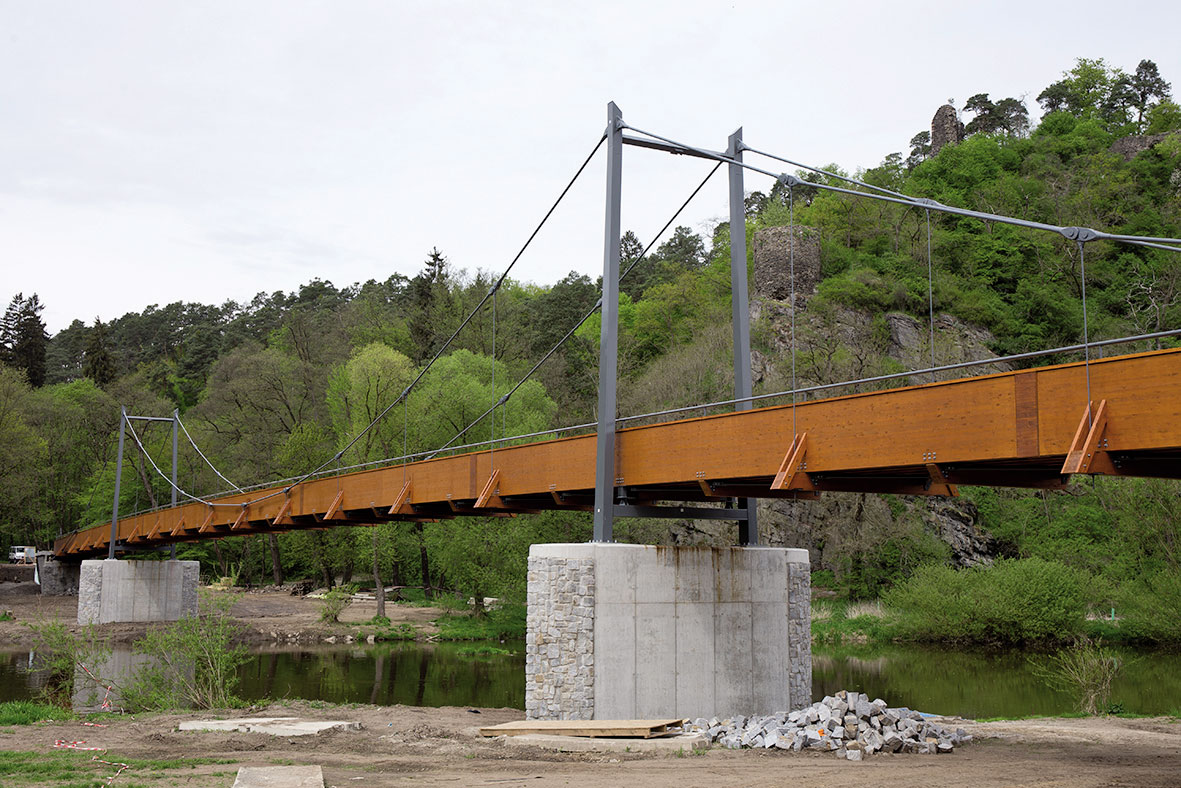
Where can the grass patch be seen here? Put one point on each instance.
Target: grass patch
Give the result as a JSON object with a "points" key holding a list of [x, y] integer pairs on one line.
{"points": [[483, 651], [27, 712], [7, 616], [504, 623], [383, 631], [64, 769], [835, 623]]}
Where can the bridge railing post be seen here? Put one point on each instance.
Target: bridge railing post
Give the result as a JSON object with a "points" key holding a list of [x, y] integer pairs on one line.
{"points": [[604, 514], [748, 529]]}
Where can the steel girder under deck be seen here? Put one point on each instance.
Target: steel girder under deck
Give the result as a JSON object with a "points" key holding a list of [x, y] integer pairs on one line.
{"points": [[1031, 428]]}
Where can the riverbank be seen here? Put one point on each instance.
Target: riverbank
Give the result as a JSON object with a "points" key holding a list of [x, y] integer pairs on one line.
{"points": [[399, 745], [266, 616]]}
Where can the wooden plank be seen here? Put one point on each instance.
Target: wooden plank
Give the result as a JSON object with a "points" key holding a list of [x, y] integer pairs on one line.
{"points": [[1025, 413], [632, 729]]}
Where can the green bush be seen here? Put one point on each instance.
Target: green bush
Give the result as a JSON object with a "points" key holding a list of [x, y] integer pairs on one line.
{"points": [[334, 603], [63, 656], [1012, 602], [193, 662], [1086, 670], [1151, 609]]}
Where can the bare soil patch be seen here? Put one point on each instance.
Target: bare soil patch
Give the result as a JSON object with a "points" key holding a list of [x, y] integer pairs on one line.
{"points": [[402, 745], [267, 616]]}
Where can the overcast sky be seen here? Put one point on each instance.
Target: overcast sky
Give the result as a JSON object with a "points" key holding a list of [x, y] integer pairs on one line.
{"points": [[152, 152]]}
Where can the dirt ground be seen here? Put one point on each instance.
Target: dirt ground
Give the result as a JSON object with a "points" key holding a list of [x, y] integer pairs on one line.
{"points": [[407, 746], [268, 616]]}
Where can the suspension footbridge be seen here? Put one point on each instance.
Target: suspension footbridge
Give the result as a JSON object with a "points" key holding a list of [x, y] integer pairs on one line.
{"points": [[1115, 415]]}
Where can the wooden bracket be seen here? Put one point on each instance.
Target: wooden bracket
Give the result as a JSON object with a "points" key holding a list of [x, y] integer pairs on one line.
{"points": [[402, 502], [157, 528], [792, 473], [178, 529], [154, 532], [284, 515], [207, 523], [1088, 450], [241, 522], [335, 509], [489, 492], [938, 484], [135, 537]]}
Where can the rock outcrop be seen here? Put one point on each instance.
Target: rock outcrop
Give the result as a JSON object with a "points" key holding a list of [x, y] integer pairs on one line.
{"points": [[1130, 147], [946, 129]]}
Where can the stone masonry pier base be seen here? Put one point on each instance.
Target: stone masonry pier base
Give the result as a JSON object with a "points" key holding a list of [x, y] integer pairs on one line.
{"points": [[113, 591], [621, 631]]}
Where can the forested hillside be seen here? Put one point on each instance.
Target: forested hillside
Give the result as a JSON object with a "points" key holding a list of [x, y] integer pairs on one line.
{"points": [[272, 388]]}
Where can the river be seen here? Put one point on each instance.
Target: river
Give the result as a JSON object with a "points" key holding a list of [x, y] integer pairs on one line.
{"points": [[973, 684]]}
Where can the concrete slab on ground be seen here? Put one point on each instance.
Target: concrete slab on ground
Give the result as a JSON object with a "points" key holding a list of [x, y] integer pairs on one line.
{"points": [[275, 726], [683, 741], [279, 777]]}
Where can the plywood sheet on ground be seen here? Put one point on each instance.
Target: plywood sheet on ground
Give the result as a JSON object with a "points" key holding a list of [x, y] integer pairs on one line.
{"points": [[636, 729]]}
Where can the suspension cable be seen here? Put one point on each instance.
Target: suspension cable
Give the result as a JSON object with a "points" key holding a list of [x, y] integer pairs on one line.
{"points": [[438, 354], [829, 173], [161, 473], [1082, 262], [1071, 233], [201, 454], [585, 317], [930, 292]]}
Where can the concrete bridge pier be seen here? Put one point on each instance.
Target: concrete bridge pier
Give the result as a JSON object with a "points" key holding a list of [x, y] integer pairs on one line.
{"points": [[112, 591], [619, 631], [57, 578]]}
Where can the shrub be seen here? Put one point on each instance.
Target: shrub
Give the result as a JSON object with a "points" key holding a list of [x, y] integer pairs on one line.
{"points": [[193, 662], [1086, 669], [1011, 602], [61, 656], [1152, 609], [334, 603]]}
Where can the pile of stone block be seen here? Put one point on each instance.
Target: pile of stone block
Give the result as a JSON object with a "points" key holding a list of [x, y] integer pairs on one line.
{"points": [[848, 723]]}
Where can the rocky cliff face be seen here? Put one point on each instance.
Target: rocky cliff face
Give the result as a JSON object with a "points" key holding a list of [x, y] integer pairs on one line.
{"points": [[835, 344]]}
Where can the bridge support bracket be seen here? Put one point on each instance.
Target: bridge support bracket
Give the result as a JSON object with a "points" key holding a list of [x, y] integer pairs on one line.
{"points": [[1088, 450], [792, 473], [402, 502], [938, 484]]}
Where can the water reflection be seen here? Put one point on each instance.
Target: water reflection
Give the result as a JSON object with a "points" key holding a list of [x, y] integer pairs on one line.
{"points": [[967, 683], [984, 683], [411, 674]]}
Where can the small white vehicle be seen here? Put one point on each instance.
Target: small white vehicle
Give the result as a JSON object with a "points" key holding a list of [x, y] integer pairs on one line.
{"points": [[20, 554]]}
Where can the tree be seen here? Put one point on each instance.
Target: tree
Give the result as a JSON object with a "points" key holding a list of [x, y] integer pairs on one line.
{"points": [[1092, 89], [429, 298], [98, 365], [1007, 115], [920, 149], [359, 391], [23, 457], [1145, 85], [23, 341]]}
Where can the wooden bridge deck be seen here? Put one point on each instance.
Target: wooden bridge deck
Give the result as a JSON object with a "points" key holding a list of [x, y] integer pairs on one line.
{"points": [[1021, 429]]}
